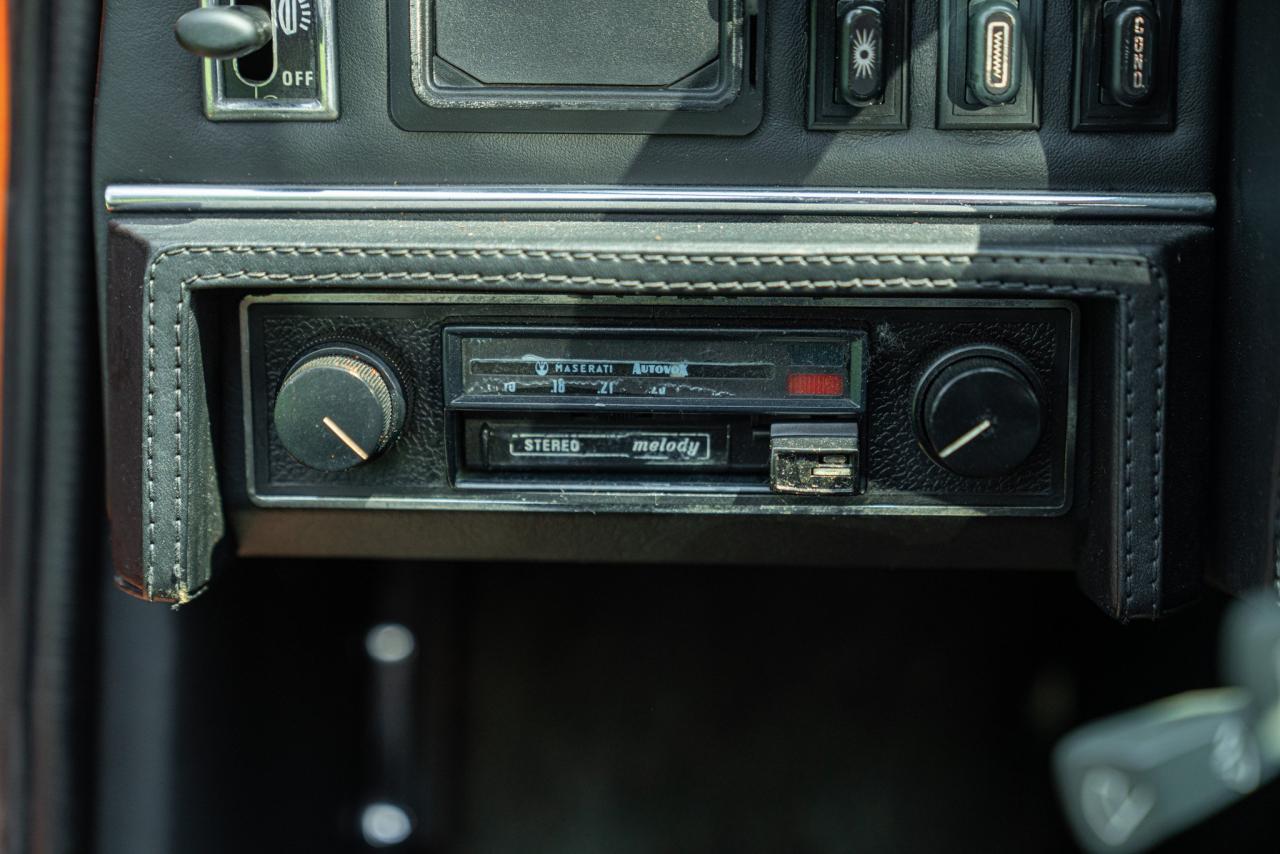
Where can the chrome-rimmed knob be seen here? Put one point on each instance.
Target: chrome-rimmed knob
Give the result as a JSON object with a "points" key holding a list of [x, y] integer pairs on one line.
{"points": [[338, 407]]}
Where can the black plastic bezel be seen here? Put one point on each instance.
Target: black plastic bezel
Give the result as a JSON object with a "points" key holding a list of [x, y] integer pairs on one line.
{"points": [[615, 115]]}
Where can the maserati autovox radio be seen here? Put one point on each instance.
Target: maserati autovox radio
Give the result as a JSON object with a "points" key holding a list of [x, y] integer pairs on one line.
{"points": [[854, 406]]}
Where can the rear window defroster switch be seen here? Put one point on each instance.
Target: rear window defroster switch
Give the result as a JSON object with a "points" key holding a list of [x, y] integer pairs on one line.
{"points": [[995, 51]]}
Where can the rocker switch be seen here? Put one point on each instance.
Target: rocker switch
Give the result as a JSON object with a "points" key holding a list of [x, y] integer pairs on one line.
{"points": [[1131, 31], [995, 51], [860, 52]]}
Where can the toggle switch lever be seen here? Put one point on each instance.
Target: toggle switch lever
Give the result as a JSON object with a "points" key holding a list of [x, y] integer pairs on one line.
{"points": [[224, 32]]}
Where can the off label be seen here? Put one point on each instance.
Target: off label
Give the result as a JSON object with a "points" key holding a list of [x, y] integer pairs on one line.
{"points": [[294, 79]]}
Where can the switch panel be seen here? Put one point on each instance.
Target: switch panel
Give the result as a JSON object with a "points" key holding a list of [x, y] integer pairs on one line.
{"points": [[989, 64], [1126, 74], [858, 62], [264, 59]]}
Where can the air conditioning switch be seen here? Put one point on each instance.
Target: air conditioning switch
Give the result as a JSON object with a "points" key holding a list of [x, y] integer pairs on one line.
{"points": [[1131, 31]]}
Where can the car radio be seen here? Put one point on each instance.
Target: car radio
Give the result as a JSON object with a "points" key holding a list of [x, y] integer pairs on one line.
{"points": [[691, 403], [597, 403]]}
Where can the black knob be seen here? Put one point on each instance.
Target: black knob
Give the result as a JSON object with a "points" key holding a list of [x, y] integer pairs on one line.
{"points": [[338, 407], [224, 32], [980, 413]]}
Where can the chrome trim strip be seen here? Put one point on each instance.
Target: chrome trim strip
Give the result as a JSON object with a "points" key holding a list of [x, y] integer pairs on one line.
{"points": [[800, 201]]}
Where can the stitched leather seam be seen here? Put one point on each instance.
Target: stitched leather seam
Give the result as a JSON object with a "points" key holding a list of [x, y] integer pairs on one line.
{"points": [[179, 546], [658, 258], [1157, 452], [597, 281], [639, 285], [806, 285], [1127, 577], [151, 412]]}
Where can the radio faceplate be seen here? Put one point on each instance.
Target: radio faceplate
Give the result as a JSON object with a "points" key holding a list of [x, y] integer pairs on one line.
{"points": [[668, 405], [715, 370]]}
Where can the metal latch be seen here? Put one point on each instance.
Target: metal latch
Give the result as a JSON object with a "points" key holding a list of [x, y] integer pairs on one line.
{"points": [[814, 459]]}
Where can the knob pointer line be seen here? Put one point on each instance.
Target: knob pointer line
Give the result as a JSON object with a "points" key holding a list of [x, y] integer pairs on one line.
{"points": [[972, 433], [347, 440]]}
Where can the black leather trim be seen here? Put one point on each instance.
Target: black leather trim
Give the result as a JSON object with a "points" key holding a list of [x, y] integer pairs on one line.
{"points": [[182, 519]]}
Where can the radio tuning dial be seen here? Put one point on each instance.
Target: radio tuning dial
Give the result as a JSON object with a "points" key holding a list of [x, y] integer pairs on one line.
{"points": [[980, 413], [337, 408]]}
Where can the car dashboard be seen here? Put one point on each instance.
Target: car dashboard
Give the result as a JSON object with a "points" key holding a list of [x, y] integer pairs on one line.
{"points": [[509, 419]]}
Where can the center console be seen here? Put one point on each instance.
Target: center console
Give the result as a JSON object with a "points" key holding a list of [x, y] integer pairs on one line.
{"points": [[858, 284]]}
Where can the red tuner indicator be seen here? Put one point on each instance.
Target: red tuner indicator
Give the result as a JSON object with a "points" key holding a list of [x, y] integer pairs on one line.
{"points": [[815, 385]]}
